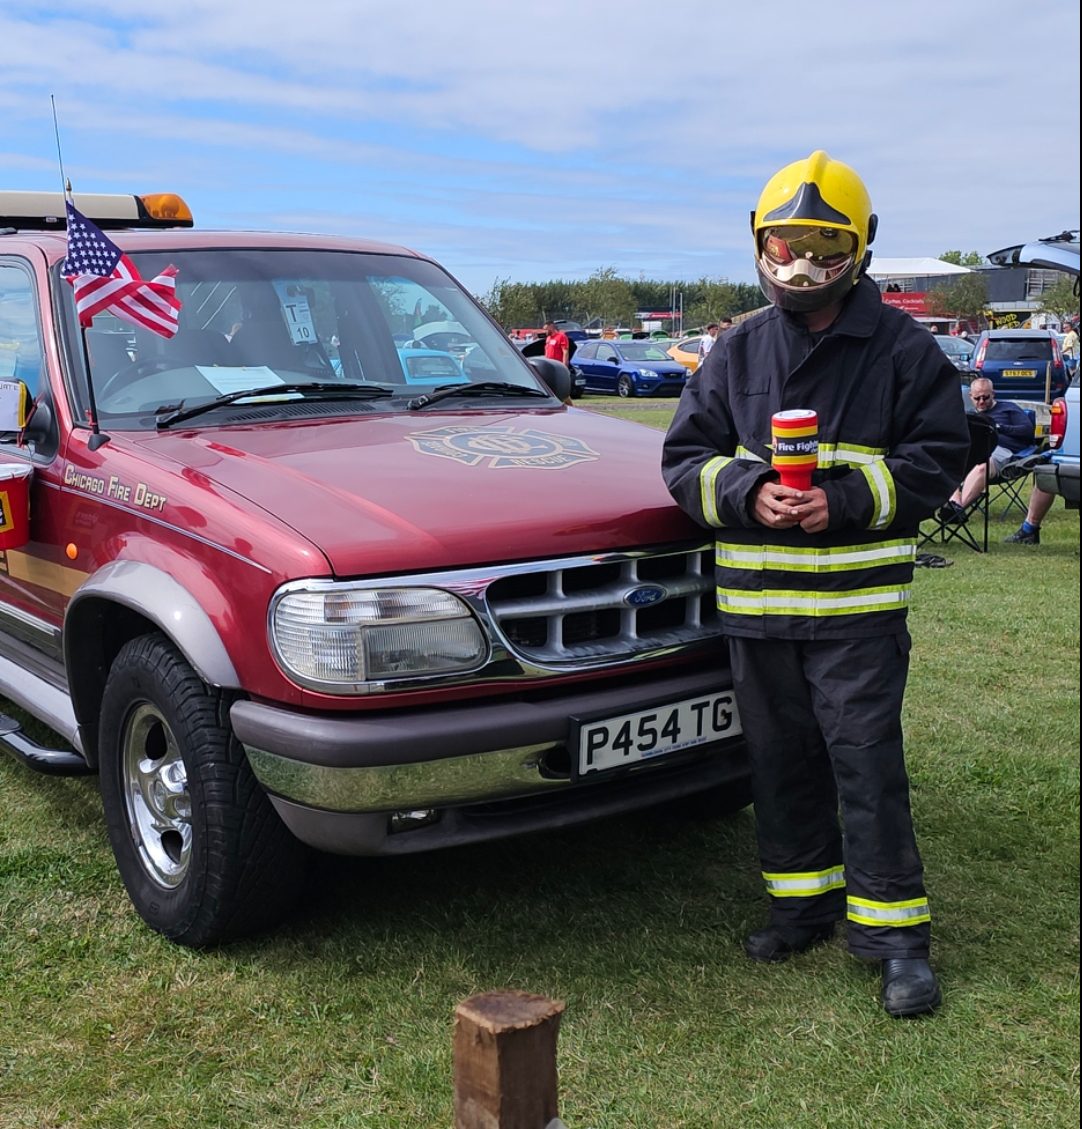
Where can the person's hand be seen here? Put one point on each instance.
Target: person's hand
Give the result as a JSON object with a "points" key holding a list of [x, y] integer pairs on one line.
{"points": [[781, 507], [813, 511], [775, 506]]}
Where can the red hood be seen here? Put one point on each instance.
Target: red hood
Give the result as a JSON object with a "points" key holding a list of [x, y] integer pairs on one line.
{"points": [[434, 490]]}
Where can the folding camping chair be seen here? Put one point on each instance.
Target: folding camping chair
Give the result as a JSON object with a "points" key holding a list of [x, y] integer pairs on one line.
{"points": [[1010, 485], [943, 527]]}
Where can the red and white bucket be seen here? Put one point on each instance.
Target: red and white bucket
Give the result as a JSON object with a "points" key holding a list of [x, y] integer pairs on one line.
{"points": [[796, 446], [15, 504]]}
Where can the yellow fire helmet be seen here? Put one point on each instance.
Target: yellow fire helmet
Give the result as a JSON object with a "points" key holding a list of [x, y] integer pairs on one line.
{"points": [[812, 227]]}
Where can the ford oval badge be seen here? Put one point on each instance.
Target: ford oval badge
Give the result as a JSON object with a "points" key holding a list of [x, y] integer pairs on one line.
{"points": [[644, 596]]}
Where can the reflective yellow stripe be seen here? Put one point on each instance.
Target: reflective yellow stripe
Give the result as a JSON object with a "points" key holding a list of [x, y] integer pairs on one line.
{"points": [[850, 453], [839, 559], [884, 502], [777, 601], [804, 884], [744, 453], [708, 488], [899, 914]]}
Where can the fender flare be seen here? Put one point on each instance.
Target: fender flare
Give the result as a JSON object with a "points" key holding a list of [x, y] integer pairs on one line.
{"points": [[151, 595]]}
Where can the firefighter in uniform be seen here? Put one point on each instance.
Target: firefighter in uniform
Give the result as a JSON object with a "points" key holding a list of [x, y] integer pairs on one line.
{"points": [[813, 585]]}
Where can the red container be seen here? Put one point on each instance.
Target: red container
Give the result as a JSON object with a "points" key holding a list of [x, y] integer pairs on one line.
{"points": [[14, 504], [796, 446]]}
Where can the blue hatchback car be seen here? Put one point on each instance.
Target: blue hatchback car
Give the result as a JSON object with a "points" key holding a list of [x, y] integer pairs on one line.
{"points": [[629, 368], [1022, 364]]}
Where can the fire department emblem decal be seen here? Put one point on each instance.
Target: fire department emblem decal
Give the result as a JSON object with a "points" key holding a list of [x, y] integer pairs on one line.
{"points": [[500, 447]]}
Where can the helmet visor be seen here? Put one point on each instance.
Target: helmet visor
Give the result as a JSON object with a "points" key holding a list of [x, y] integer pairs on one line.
{"points": [[798, 256]]}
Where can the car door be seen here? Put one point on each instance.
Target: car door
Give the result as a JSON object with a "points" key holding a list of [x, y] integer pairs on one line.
{"points": [[608, 367], [585, 360]]}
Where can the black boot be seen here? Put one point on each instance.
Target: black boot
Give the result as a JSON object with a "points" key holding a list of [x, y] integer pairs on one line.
{"points": [[909, 987], [780, 942]]}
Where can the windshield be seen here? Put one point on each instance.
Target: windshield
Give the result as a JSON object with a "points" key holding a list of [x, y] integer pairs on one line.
{"points": [[1019, 349], [259, 318], [643, 351]]}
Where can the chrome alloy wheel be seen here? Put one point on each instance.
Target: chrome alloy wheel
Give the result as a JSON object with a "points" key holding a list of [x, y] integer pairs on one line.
{"points": [[156, 796]]}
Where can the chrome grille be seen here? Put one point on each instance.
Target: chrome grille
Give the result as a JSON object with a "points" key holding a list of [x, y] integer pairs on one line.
{"points": [[584, 611]]}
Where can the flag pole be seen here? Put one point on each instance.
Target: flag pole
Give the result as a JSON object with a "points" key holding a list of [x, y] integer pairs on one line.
{"points": [[97, 437], [65, 184]]}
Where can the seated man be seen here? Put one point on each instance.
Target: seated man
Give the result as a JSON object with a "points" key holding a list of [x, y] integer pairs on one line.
{"points": [[1014, 433]]}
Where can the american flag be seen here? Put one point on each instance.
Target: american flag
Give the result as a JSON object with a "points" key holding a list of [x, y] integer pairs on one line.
{"points": [[104, 278]]}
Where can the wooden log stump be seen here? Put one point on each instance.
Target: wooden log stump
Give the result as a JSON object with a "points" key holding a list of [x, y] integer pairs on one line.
{"points": [[505, 1061]]}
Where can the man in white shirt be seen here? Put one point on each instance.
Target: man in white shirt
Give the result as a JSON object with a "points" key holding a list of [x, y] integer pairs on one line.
{"points": [[706, 342], [1070, 347]]}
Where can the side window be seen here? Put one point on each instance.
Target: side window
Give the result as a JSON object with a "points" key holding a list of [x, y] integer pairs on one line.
{"points": [[586, 352], [21, 353], [606, 353]]}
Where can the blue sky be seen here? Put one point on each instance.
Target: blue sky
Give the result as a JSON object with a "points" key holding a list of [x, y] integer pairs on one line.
{"points": [[531, 141]]}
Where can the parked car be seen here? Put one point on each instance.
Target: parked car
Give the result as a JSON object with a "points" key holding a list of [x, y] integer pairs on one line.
{"points": [[959, 351], [276, 604], [429, 366], [1021, 363], [572, 330], [1056, 252], [686, 351], [1059, 475], [629, 368], [446, 336]]}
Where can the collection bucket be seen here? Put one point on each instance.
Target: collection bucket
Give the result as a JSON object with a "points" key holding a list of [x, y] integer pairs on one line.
{"points": [[14, 504], [796, 446]]}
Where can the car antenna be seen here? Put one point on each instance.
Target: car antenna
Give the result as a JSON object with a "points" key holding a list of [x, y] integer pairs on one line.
{"points": [[97, 437]]}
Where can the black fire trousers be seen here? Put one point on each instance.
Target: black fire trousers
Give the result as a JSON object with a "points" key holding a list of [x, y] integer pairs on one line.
{"points": [[822, 721]]}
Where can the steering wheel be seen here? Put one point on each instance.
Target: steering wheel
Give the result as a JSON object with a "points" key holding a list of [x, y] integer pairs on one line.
{"points": [[129, 374]]}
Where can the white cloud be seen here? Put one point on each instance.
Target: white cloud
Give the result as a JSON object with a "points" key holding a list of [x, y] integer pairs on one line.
{"points": [[555, 137]]}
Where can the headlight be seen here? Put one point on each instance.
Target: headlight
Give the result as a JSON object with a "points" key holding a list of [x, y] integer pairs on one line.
{"points": [[337, 638], [648, 373]]}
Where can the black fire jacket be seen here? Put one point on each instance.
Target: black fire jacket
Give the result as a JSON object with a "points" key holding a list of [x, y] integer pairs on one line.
{"points": [[893, 441]]}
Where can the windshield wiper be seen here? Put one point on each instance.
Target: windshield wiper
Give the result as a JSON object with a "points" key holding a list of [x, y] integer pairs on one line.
{"points": [[330, 390], [491, 387]]}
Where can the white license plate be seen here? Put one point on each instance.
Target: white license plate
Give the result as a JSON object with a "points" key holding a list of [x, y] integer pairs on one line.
{"points": [[615, 742]]}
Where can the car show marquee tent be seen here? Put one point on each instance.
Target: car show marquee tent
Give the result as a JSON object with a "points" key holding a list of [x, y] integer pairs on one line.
{"points": [[912, 268]]}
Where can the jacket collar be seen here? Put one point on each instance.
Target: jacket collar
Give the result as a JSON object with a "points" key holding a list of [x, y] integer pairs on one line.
{"points": [[859, 314]]}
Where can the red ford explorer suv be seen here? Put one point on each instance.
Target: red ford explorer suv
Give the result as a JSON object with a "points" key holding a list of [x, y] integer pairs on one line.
{"points": [[333, 567]]}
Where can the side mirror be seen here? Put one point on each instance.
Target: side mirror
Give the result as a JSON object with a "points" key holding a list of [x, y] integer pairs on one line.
{"points": [[555, 374], [39, 427]]}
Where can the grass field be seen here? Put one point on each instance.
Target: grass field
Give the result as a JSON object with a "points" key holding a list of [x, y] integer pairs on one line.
{"points": [[343, 1017]]}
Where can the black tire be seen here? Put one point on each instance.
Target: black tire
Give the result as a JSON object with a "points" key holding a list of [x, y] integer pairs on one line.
{"points": [[200, 849], [624, 387]]}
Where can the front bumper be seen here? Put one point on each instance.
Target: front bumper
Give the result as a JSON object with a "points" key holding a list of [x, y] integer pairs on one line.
{"points": [[484, 769], [669, 387], [1059, 478]]}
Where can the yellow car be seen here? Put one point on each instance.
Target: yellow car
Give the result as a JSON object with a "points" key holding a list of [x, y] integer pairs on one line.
{"points": [[686, 351]]}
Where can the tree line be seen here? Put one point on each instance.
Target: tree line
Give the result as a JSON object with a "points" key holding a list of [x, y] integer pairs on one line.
{"points": [[613, 300]]}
